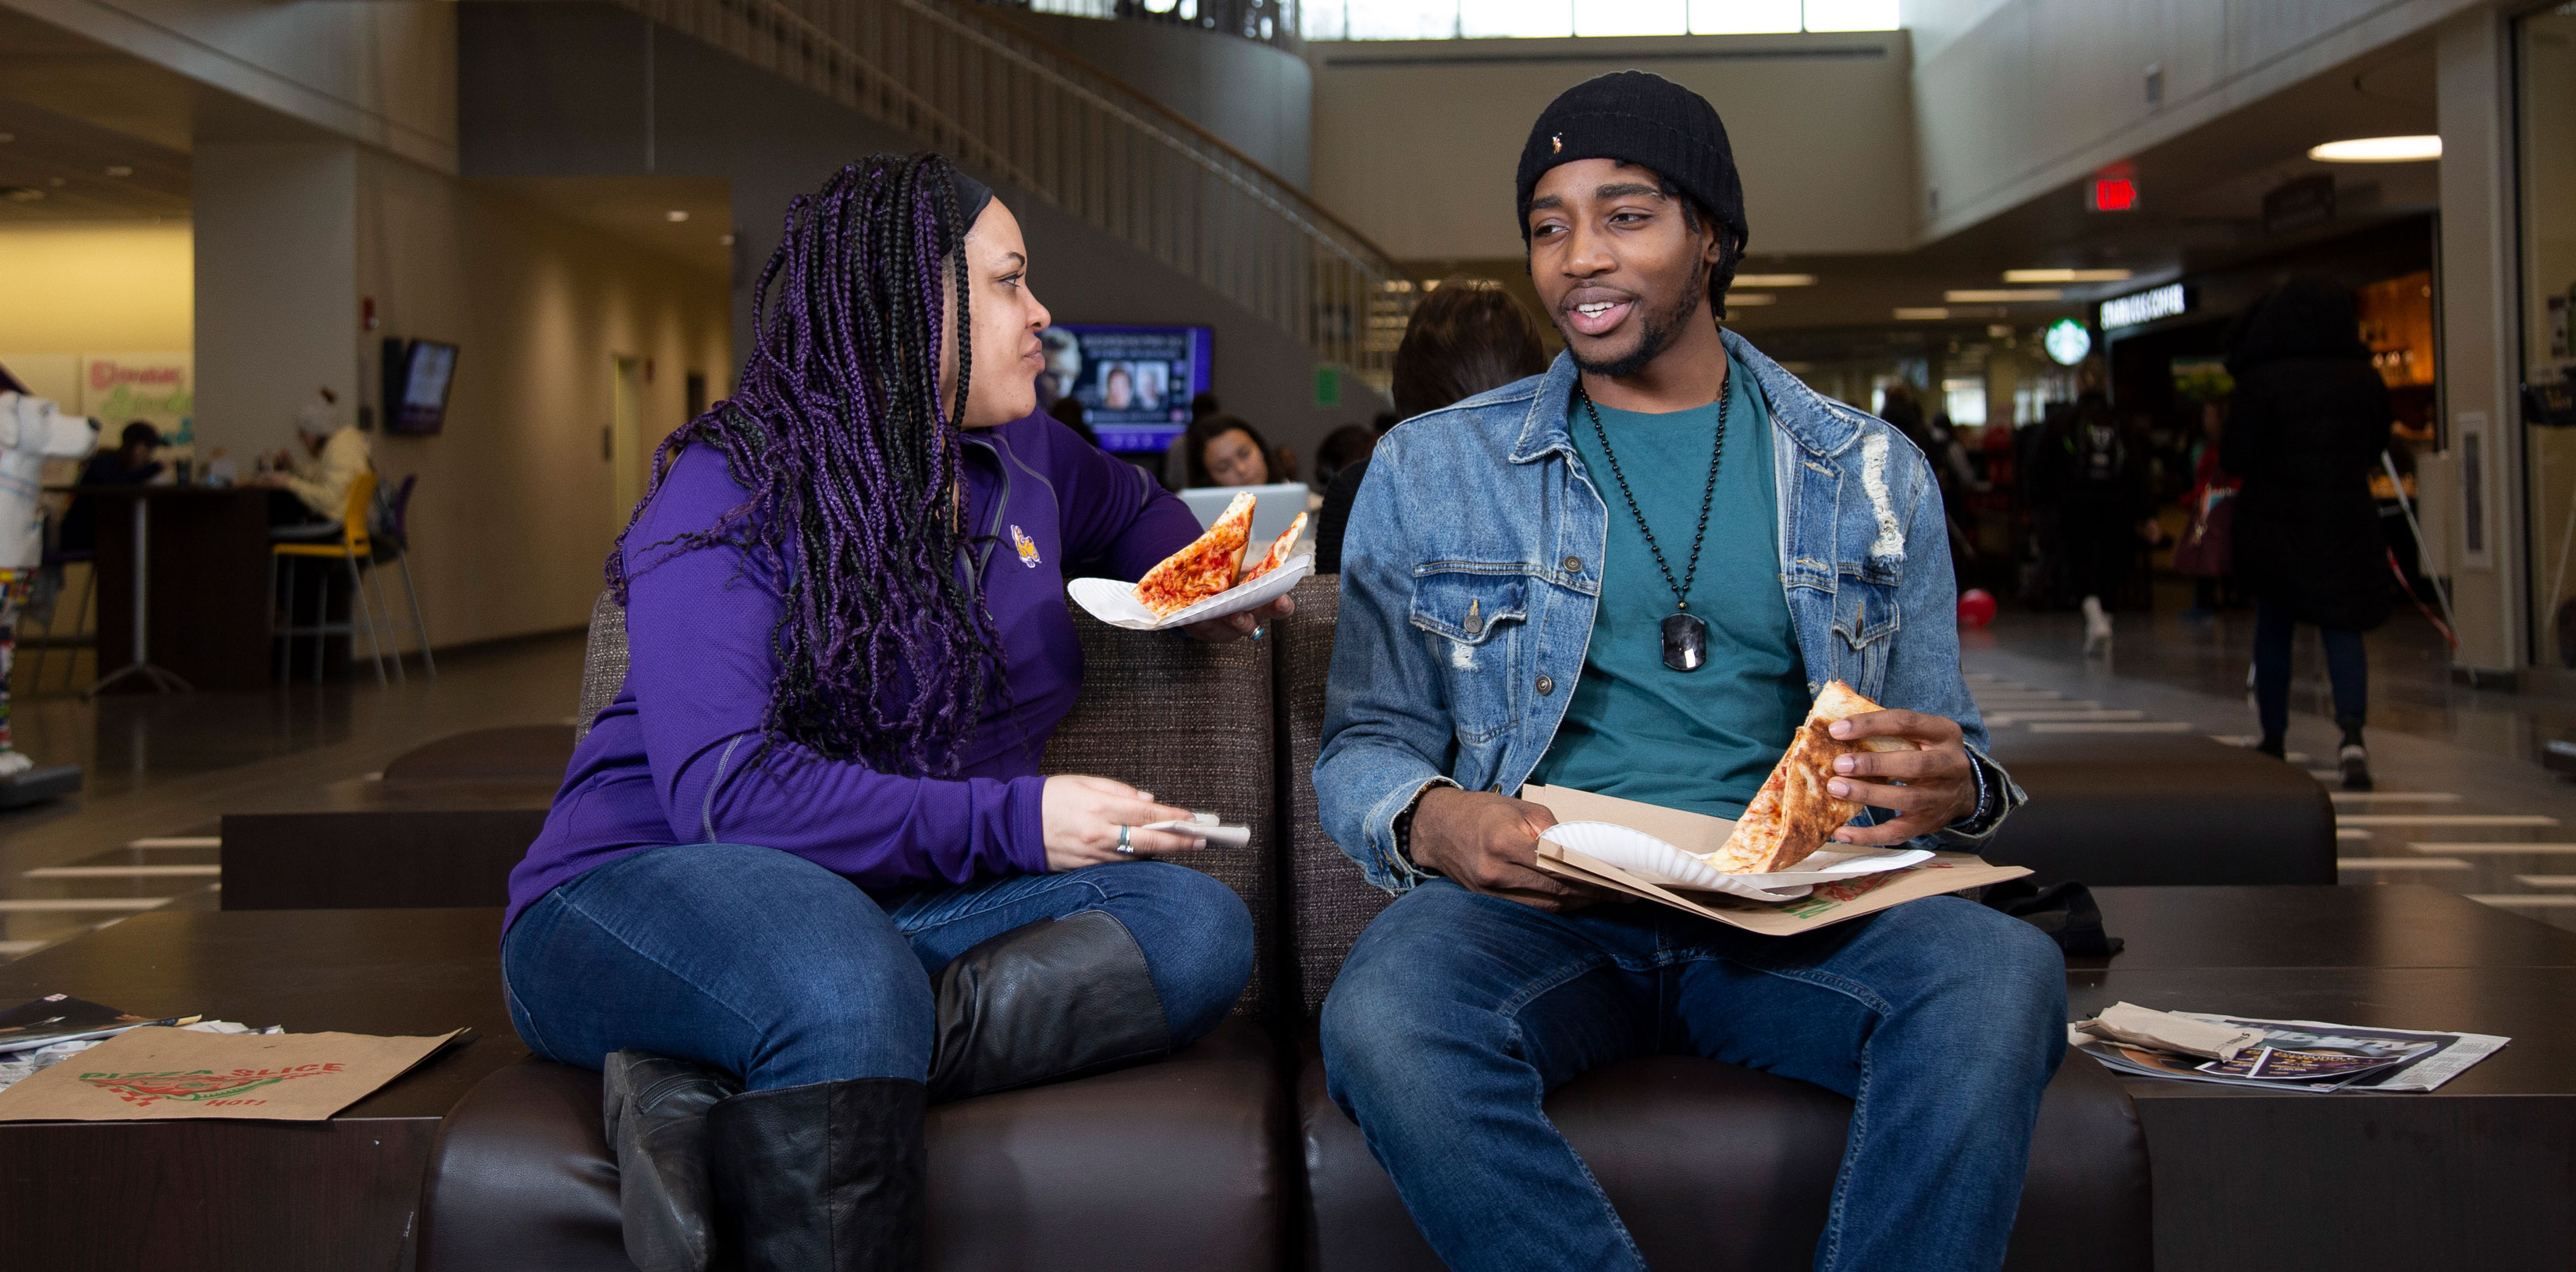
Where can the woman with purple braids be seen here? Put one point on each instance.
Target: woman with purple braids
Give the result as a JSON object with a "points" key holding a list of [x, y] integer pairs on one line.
{"points": [[803, 876]]}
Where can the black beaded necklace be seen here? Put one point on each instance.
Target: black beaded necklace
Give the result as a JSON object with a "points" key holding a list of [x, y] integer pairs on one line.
{"points": [[1685, 633]]}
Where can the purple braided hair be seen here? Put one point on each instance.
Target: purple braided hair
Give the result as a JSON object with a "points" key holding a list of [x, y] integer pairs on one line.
{"points": [[886, 651]]}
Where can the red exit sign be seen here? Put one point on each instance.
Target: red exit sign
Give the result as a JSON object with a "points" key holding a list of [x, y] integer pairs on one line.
{"points": [[2111, 194]]}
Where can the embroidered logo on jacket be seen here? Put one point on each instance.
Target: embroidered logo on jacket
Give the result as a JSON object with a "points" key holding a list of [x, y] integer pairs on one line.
{"points": [[1028, 547]]}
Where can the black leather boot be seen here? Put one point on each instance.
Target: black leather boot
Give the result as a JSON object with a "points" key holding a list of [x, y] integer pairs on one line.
{"points": [[826, 1177], [656, 1111], [1054, 999]]}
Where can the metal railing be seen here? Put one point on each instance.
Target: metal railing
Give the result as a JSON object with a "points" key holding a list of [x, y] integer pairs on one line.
{"points": [[999, 99], [1271, 22]]}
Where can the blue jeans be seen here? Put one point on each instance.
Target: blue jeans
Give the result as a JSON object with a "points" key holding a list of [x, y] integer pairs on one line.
{"points": [[1456, 1013], [2347, 665], [783, 973]]}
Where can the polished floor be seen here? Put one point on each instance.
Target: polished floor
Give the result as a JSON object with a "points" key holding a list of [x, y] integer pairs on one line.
{"points": [[160, 770], [2462, 802]]}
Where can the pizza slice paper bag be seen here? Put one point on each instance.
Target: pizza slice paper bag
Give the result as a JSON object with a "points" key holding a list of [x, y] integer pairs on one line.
{"points": [[160, 1073], [1829, 903]]}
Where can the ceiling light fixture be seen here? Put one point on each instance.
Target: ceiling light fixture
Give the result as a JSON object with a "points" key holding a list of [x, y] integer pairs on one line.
{"points": [[2378, 150], [2066, 276], [1931, 313], [2000, 295], [8, 137], [675, 215], [1775, 280], [726, 239], [119, 170], [1739, 299]]}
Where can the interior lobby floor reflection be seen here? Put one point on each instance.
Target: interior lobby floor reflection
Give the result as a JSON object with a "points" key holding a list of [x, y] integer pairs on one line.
{"points": [[2462, 801], [159, 770]]}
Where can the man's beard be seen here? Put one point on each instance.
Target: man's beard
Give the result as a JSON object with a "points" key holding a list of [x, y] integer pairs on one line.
{"points": [[1659, 334]]}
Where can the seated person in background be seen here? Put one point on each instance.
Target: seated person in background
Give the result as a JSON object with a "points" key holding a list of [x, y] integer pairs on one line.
{"points": [[1344, 447], [812, 824], [1673, 668], [1068, 412], [1225, 451], [315, 490], [1175, 467], [130, 464], [1467, 336]]}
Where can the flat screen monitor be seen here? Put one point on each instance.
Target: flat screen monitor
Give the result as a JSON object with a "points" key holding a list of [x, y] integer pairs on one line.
{"points": [[1134, 382], [418, 375]]}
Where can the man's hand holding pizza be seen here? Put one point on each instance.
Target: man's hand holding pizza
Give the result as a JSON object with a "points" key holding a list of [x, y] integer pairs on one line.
{"points": [[1939, 782], [1488, 843]]}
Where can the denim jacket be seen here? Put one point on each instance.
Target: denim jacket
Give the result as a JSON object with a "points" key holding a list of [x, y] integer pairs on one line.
{"points": [[1470, 572]]}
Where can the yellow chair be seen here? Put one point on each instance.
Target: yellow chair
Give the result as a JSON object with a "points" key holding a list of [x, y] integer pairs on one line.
{"points": [[352, 547]]}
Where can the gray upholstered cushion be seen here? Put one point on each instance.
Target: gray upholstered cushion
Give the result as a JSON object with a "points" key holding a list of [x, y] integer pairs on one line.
{"points": [[603, 665], [1190, 722], [1329, 901]]}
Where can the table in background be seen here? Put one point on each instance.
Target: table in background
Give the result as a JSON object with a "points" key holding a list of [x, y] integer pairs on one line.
{"points": [[207, 583], [273, 1196], [2477, 1174]]}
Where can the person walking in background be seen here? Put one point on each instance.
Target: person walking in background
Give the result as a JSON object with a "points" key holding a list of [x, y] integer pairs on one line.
{"points": [[2207, 553], [2097, 475], [2307, 425], [1466, 337]]}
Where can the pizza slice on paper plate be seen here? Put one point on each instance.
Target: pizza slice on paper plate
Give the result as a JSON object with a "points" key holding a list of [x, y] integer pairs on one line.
{"points": [[1278, 554], [1204, 568], [1796, 812]]}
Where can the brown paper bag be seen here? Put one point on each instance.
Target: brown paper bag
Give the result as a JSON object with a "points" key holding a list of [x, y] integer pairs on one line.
{"points": [[180, 1073], [1828, 903]]}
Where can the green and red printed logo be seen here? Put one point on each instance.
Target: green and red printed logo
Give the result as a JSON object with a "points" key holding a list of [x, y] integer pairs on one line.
{"points": [[201, 1086]]}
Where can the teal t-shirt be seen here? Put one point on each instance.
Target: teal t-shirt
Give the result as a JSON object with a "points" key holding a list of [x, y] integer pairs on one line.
{"points": [[1698, 740]]}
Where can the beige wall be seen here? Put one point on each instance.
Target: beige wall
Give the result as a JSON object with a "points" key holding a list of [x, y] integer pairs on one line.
{"points": [[513, 514], [1416, 141], [2015, 98], [93, 288]]}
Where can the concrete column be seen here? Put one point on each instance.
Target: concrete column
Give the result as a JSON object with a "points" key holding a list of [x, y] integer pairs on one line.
{"points": [[277, 288], [2480, 404]]}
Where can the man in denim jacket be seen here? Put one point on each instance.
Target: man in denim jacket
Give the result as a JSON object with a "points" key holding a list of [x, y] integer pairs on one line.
{"points": [[1631, 575]]}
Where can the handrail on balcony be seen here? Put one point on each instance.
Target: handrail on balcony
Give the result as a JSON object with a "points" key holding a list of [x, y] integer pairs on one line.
{"points": [[1002, 99]]}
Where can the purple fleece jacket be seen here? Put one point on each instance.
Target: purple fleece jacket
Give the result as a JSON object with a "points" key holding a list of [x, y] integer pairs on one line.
{"points": [[666, 762]]}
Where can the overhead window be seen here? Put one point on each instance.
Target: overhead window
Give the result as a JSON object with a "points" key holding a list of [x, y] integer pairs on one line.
{"points": [[1503, 19]]}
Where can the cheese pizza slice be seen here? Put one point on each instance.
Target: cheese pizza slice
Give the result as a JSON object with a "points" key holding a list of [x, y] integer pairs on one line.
{"points": [[1796, 812], [1204, 568], [1278, 554]]}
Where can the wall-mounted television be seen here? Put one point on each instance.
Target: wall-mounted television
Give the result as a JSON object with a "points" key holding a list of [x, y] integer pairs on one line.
{"points": [[417, 377], [1134, 382]]}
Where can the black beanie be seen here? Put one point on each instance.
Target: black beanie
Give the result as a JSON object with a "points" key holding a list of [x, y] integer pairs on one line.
{"points": [[1640, 118]]}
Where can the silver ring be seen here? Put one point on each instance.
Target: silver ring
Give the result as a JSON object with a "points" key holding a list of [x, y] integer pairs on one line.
{"points": [[1257, 629], [1125, 849]]}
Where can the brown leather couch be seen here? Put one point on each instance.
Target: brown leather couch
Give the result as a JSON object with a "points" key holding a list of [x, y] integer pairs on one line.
{"points": [[1227, 1154]]}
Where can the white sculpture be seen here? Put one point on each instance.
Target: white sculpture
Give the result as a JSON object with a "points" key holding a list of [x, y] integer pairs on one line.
{"points": [[32, 430]]}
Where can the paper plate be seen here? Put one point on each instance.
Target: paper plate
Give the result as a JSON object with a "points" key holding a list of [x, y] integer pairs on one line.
{"points": [[1115, 603], [1652, 859]]}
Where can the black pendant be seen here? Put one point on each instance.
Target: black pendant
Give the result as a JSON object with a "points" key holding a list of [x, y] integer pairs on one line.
{"points": [[1685, 642]]}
